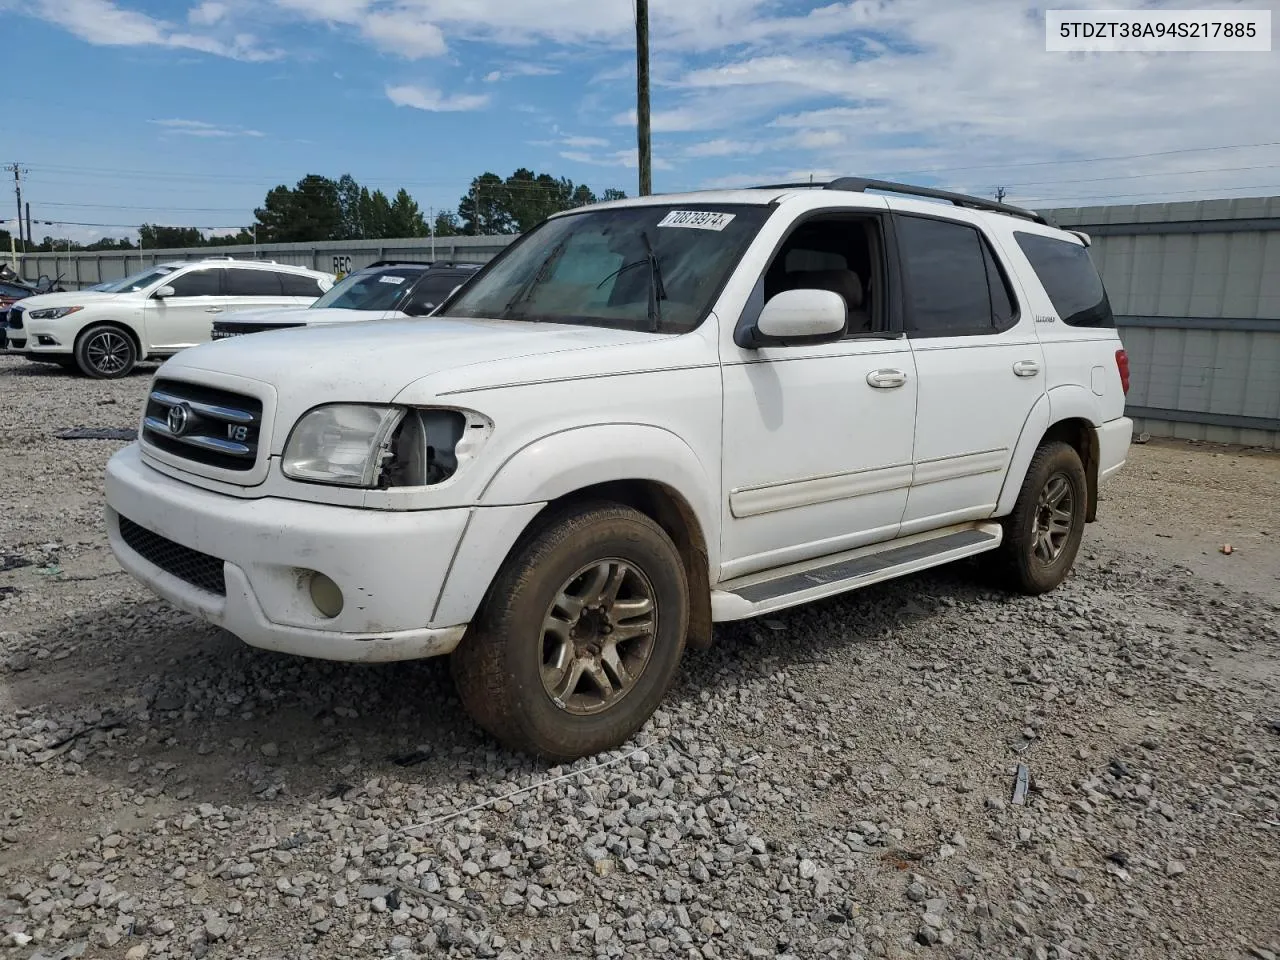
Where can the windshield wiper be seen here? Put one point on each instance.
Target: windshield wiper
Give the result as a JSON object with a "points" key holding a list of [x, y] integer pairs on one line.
{"points": [[539, 275], [656, 291]]}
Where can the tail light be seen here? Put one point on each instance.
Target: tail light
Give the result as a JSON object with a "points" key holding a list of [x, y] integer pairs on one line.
{"points": [[1122, 364]]}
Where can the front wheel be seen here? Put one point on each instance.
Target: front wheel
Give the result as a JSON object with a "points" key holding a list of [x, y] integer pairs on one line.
{"points": [[1042, 536], [579, 636], [105, 352]]}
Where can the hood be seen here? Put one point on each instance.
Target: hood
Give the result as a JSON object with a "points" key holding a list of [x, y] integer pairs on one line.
{"points": [[374, 362], [295, 315], [77, 298]]}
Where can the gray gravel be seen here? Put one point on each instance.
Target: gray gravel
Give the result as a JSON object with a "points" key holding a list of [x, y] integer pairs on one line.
{"points": [[832, 782]]}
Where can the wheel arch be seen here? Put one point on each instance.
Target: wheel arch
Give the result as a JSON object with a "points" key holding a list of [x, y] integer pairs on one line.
{"points": [[1068, 414], [647, 468], [122, 325]]}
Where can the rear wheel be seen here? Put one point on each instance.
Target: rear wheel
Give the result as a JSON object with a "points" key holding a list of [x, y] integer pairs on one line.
{"points": [[1042, 536], [105, 352], [579, 636]]}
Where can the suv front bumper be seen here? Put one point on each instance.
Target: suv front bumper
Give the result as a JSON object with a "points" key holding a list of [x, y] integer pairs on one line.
{"points": [[390, 567]]}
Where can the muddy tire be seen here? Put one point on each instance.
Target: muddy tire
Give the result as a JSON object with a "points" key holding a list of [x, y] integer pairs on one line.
{"points": [[1042, 535], [579, 636]]}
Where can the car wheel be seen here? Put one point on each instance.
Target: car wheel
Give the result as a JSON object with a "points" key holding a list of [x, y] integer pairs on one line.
{"points": [[105, 352], [1042, 536], [579, 636]]}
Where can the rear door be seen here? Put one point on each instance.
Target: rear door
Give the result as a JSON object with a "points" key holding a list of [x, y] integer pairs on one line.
{"points": [[248, 288], [978, 362], [299, 288]]}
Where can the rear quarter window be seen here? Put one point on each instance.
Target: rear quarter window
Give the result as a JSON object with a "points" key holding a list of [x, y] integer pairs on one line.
{"points": [[1068, 276]]}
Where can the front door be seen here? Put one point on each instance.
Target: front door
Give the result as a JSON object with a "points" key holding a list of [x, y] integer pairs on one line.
{"points": [[185, 318], [979, 366], [818, 438]]}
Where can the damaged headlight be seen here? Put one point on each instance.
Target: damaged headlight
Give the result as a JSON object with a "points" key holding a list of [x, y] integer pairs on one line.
{"points": [[362, 445]]}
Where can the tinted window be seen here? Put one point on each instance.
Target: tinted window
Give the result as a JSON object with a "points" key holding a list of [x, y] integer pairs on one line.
{"points": [[252, 283], [954, 285], [197, 283], [433, 289], [369, 289], [1069, 278], [8, 291], [297, 285]]}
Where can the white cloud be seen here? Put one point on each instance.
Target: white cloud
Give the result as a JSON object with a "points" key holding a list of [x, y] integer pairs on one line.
{"points": [[208, 13], [520, 70], [617, 158], [403, 34], [578, 142], [199, 128], [421, 98], [723, 147], [104, 23]]}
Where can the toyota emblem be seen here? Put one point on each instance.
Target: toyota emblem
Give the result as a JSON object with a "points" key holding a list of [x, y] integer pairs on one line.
{"points": [[179, 419]]}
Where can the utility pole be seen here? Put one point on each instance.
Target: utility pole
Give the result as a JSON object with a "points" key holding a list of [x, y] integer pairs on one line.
{"points": [[1000, 194], [30, 239], [17, 171], [642, 97]]}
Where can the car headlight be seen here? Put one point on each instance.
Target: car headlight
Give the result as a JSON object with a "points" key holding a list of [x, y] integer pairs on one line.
{"points": [[363, 445], [53, 313], [341, 443]]}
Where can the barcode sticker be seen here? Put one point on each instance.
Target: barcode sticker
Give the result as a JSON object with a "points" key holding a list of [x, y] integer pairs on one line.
{"points": [[697, 219], [396, 280]]}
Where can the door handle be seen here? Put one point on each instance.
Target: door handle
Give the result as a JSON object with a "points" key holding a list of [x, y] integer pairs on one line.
{"points": [[1026, 368], [212, 309], [886, 379]]}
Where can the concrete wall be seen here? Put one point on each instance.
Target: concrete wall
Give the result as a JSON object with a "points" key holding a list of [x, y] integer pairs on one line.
{"points": [[81, 270]]}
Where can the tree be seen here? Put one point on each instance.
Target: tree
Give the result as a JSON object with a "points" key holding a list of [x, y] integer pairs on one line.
{"points": [[405, 217], [308, 212], [446, 224], [157, 237], [485, 208], [613, 194], [352, 228], [375, 214]]}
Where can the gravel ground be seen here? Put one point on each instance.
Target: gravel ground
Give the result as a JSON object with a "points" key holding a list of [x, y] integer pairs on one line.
{"points": [[833, 782]]}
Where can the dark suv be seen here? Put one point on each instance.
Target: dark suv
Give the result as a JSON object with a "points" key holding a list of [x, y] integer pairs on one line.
{"points": [[385, 290]]}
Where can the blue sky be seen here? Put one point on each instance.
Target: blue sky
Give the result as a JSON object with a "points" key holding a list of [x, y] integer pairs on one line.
{"points": [[186, 112]]}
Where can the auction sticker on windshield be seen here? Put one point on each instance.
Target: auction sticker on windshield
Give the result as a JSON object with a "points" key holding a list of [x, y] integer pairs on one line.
{"points": [[697, 219], [389, 279]]}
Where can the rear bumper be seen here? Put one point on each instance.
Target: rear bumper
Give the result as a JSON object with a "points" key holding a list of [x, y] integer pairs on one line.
{"points": [[1113, 446]]}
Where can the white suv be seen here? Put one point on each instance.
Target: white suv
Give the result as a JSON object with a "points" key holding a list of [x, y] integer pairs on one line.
{"points": [[155, 313], [643, 418]]}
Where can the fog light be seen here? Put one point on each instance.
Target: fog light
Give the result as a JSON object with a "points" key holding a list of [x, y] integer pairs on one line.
{"points": [[326, 595], [46, 341]]}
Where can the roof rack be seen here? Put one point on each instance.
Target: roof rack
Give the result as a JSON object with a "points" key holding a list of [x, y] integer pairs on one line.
{"points": [[863, 184], [396, 263]]}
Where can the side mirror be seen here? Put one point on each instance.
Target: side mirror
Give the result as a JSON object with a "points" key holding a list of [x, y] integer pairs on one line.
{"points": [[165, 291], [797, 317]]}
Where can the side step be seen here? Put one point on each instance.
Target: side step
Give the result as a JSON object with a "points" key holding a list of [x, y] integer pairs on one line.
{"points": [[799, 583]]}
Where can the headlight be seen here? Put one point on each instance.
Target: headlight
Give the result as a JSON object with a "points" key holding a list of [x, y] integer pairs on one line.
{"points": [[53, 313], [362, 445], [341, 443]]}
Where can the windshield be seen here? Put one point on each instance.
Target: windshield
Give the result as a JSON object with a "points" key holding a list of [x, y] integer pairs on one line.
{"points": [[369, 291], [139, 281], [637, 268]]}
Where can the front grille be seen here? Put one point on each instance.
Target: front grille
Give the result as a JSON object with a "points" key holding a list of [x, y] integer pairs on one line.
{"points": [[222, 329], [15, 318], [198, 569], [210, 426]]}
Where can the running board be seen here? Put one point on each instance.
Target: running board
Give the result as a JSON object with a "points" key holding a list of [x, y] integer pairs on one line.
{"points": [[799, 583]]}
